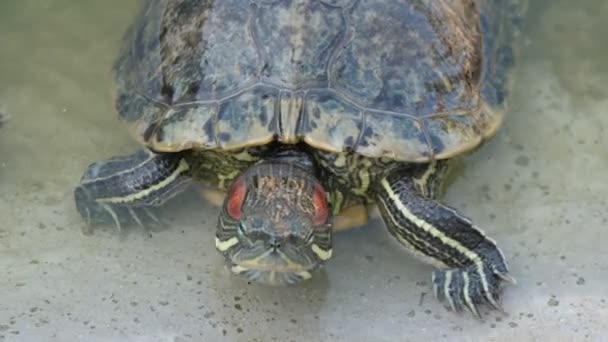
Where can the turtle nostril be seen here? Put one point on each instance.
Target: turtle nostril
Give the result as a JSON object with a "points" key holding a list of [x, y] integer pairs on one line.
{"points": [[275, 243]]}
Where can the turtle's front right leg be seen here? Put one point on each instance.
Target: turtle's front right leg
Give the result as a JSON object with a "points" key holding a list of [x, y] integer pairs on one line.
{"points": [[470, 268], [122, 190]]}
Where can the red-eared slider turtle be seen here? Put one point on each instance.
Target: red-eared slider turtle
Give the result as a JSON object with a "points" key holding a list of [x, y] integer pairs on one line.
{"points": [[300, 109]]}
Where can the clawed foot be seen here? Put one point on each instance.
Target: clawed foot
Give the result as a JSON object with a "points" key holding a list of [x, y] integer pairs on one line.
{"points": [[124, 190], [471, 286], [97, 212]]}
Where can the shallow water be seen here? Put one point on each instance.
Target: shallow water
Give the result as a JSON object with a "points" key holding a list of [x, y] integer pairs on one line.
{"points": [[539, 189]]}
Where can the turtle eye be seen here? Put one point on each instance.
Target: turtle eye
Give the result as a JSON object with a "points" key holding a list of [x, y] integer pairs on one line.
{"points": [[320, 204], [235, 199]]}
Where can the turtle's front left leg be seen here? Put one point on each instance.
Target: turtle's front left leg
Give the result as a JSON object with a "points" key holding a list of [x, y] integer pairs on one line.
{"points": [[123, 189], [470, 267]]}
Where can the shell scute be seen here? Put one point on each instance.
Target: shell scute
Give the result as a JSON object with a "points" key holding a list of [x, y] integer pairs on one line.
{"points": [[393, 136], [239, 119], [331, 123], [185, 127]]}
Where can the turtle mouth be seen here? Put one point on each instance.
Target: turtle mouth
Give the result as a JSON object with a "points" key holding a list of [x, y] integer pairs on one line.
{"points": [[275, 267], [271, 264], [274, 264], [271, 276]]}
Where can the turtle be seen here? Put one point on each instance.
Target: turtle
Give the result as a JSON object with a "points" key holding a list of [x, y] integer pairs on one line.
{"points": [[301, 110]]}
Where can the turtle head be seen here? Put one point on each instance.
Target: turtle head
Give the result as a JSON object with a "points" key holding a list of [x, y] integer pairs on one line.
{"points": [[274, 226]]}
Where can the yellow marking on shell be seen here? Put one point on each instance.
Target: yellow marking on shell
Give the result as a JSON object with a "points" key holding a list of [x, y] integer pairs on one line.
{"points": [[321, 253], [429, 228], [223, 246], [238, 144], [320, 144], [491, 121], [290, 109], [498, 117], [423, 180], [181, 168]]}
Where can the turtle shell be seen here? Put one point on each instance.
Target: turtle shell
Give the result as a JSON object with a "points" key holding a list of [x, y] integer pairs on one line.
{"points": [[413, 80]]}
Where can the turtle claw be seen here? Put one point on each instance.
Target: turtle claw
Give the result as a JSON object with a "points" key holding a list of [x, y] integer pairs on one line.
{"points": [[145, 219], [473, 310], [154, 223], [494, 302], [117, 216], [470, 287], [153, 217], [136, 218], [507, 278]]}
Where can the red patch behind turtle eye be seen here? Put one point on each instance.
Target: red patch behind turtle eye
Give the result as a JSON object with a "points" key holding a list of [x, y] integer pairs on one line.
{"points": [[320, 203], [235, 199]]}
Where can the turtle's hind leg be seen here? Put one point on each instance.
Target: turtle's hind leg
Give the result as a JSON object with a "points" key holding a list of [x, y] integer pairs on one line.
{"points": [[122, 190]]}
